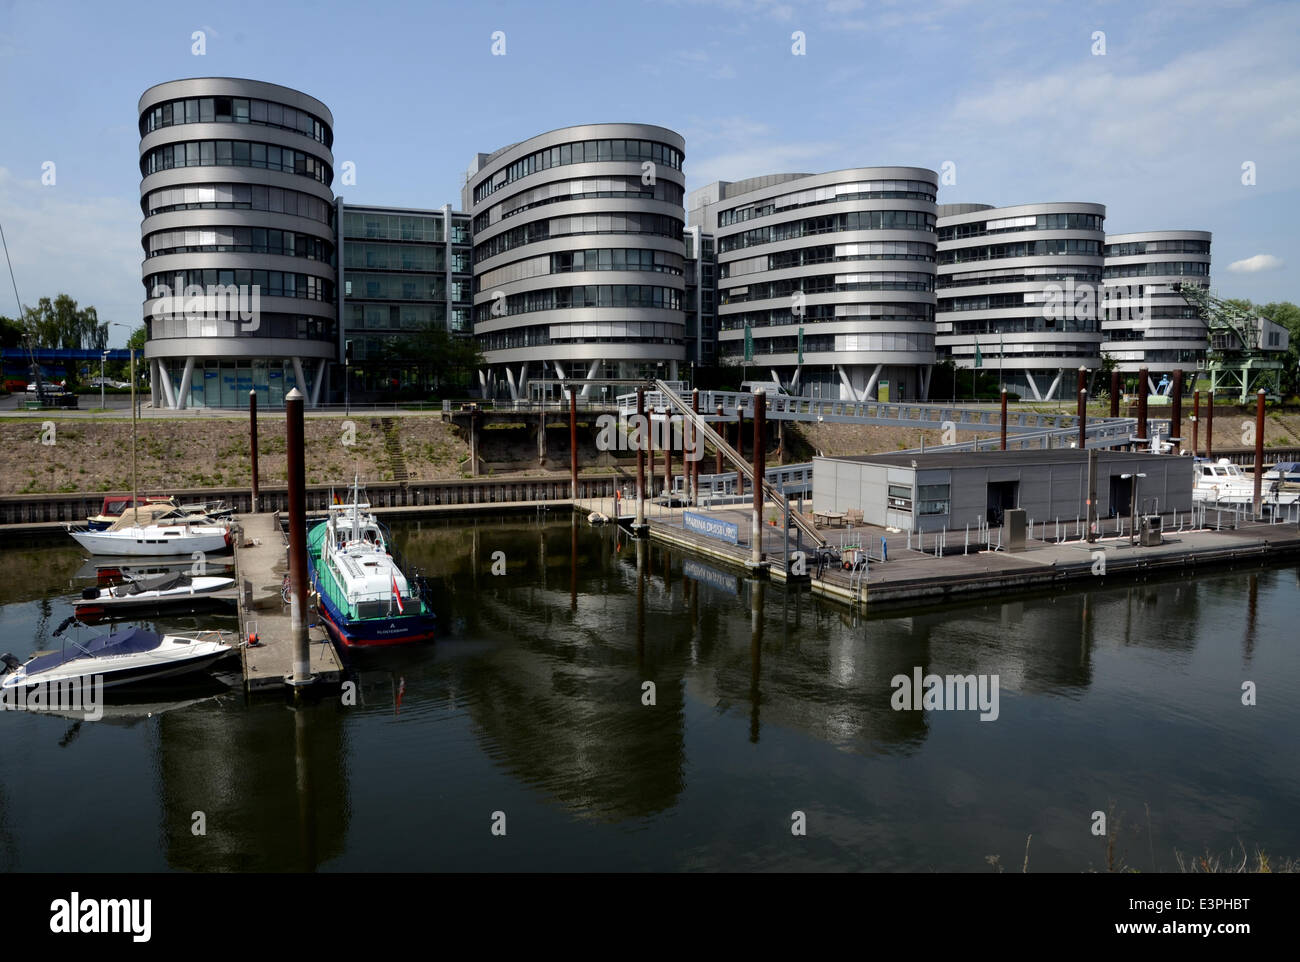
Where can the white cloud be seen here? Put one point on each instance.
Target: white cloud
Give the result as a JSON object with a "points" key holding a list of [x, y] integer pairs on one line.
{"points": [[757, 159], [1260, 262], [61, 242]]}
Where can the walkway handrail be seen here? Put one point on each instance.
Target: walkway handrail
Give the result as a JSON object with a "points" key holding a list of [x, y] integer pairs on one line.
{"points": [[699, 423]]}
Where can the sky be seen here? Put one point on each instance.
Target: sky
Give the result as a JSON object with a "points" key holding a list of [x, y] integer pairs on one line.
{"points": [[1149, 108]]}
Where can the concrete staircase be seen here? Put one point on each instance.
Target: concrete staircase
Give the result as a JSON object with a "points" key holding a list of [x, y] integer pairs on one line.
{"points": [[393, 444]]}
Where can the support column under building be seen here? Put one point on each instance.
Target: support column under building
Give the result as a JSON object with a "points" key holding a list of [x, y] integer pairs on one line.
{"points": [[591, 373], [870, 389], [298, 375], [164, 379], [317, 382], [182, 396]]}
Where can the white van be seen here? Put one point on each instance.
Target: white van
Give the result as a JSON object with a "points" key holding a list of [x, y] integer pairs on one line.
{"points": [[769, 387]]}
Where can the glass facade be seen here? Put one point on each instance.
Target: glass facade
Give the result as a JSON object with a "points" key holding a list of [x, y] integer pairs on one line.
{"points": [[235, 153], [245, 293], [580, 152], [405, 273], [236, 110], [227, 383]]}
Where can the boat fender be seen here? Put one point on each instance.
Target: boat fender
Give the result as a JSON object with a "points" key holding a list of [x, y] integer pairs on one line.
{"points": [[89, 593]]}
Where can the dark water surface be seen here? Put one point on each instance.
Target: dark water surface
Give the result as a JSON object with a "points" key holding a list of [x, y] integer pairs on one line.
{"points": [[1126, 699]]}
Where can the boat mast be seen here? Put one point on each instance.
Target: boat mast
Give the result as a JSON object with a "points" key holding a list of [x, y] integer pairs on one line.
{"points": [[356, 503]]}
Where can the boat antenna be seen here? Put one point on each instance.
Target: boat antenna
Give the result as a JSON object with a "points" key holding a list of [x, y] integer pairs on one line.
{"points": [[356, 502]]}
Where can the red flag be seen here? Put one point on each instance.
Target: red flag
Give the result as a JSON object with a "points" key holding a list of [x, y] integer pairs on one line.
{"points": [[397, 594]]}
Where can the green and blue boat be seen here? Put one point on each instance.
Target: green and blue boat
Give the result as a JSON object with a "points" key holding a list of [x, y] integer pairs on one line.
{"points": [[366, 597]]}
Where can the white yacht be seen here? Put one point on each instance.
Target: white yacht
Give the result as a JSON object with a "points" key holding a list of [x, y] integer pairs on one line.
{"points": [[1222, 482], [123, 657], [154, 540]]}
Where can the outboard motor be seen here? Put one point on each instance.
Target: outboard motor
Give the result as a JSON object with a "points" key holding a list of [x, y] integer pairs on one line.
{"points": [[10, 662], [89, 593]]}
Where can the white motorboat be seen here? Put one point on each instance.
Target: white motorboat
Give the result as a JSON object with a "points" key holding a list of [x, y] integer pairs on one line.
{"points": [[153, 540], [155, 591], [119, 658], [1286, 472], [162, 513], [1222, 482]]}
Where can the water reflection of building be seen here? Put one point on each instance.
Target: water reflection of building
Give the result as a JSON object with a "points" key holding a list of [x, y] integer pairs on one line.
{"points": [[560, 704], [272, 785]]}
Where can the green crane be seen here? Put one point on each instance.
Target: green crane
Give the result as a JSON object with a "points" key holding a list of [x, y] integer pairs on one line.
{"points": [[1245, 352]]}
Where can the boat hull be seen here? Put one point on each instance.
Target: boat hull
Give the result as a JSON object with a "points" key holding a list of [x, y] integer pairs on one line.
{"points": [[115, 671], [377, 632], [113, 543]]}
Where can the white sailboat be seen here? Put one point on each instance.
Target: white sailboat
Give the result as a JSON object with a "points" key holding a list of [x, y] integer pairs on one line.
{"points": [[152, 536]]}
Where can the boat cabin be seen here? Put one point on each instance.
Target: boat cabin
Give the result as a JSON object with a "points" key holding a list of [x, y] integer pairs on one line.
{"points": [[357, 553]]}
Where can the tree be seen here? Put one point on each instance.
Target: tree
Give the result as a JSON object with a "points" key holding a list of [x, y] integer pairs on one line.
{"points": [[446, 362], [11, 332], [1288, 315], [59, 323]]}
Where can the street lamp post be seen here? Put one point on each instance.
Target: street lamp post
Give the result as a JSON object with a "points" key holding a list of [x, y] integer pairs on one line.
{"points": [[102, 356], [1132, 507], [347, 385]]}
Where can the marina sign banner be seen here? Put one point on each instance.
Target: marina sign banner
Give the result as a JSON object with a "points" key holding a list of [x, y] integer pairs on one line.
{"points": [[711, 527]]}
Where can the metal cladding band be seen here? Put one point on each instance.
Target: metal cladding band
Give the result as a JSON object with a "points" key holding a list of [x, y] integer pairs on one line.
{"points": [[1018, 291], [579, 258], [828, 277], [1145, 321], [237, 238]]}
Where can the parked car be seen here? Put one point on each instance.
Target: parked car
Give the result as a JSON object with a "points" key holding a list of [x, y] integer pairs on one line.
{"points": [[108, 382]]}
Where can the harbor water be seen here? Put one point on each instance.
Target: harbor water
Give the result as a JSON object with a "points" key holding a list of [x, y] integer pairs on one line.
{"points": [[604, 704]]}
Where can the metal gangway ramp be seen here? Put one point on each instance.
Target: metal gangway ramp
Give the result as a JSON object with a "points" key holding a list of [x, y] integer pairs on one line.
{"points": [[698, 423]]}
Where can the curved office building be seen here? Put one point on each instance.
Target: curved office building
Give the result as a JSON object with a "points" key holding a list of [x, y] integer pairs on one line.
{"points": [[578, 257], [1146, 322], [238, 238], [1023, 285], [846, 258]]}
